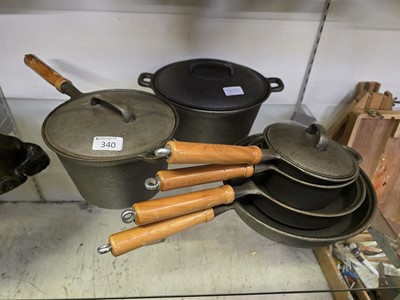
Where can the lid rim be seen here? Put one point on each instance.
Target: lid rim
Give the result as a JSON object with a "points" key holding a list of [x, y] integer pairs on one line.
{"points": [[144, 154], [155, 85], [172, 102]]}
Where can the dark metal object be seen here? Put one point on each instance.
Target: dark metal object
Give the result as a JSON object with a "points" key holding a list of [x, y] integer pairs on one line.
{"points": [[18, 161], [342, 201], [321, 166], [107, 178], [106, 139], [217, 101], [386, 244], [351, 225], [310, 151], [347, 201], [310, 156]]}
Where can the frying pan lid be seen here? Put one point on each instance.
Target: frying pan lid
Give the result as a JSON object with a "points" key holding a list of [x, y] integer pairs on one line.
{"points": [[311, 151]]}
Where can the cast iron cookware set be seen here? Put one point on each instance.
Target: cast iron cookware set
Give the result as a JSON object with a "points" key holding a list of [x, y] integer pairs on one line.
{"points": [[291, 183]]}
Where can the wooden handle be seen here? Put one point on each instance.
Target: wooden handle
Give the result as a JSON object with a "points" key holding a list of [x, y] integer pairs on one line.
{"points": [[131, 239], [199, 153], [184, 177], [46, 72], [164, 208]]}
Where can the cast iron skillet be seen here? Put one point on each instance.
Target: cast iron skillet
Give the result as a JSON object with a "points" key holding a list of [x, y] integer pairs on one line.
{"points": [[350, 225], [347, 201], [347, 227]]}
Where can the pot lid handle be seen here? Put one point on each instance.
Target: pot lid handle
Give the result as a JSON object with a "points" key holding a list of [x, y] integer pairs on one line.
{"points": [[125, 110], [322, 140], [212, 63]]}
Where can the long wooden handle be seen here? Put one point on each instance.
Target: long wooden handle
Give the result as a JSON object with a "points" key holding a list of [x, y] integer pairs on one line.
{"points": [[199, 153], [45, 71], [184, 177], [164, 208], [131, 239]]}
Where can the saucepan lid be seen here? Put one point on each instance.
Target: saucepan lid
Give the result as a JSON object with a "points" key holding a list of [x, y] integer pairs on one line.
{"points": [[109, 125]]}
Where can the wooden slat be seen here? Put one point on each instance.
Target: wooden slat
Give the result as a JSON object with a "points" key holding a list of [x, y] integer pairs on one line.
{"points": [[387, 180], [332, 273], [370, 138]]}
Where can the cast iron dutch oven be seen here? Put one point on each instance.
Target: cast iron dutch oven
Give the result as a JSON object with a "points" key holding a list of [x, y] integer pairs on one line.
{"points": [[106, 139], [217, 101]]}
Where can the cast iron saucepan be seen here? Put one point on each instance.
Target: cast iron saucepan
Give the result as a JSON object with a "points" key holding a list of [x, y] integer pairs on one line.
{"points": [[106, 139], [299, 152], [351, 225]]}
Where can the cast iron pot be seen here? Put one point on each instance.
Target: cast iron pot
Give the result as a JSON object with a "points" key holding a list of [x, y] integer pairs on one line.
{"points": [[217, 101], [106, 139]]}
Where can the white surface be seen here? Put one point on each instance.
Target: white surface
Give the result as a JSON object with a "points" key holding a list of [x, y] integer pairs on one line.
{"points": [[49, 251]]}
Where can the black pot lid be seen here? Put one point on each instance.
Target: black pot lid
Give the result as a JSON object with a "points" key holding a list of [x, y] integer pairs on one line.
{"points": [[109, 125], [311, 151], [211, 84]]}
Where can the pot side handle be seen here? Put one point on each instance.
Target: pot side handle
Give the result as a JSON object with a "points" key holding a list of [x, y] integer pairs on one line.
{"points": [[277, 82], [145, 79], [45, 71], [131, 239]]}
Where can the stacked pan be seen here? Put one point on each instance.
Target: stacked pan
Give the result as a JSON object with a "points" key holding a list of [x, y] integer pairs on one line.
{"points": [[291, 184]]}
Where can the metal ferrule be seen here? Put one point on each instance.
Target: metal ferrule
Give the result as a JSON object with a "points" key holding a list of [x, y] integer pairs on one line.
{"points": [[152, 184], [128, 215], [104, 249], [162, 152]]}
